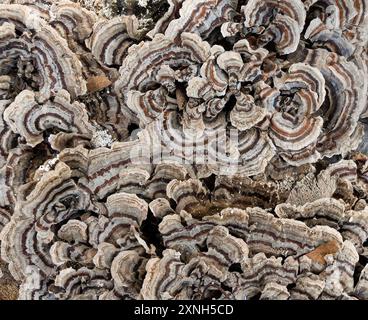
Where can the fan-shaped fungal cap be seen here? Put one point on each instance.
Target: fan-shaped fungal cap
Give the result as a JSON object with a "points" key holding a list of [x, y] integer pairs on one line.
{"points": [[27, 117], [111, 39]]}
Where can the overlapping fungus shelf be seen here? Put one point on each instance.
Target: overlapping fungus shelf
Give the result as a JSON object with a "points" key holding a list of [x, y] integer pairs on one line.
{"points": [[184, 149]]}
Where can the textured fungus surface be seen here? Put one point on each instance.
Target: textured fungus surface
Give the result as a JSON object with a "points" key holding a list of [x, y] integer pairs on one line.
{"points": [[184, 149]]}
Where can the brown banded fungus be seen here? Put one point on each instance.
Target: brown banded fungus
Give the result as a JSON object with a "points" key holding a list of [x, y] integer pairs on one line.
{"points": [[216, 150]]}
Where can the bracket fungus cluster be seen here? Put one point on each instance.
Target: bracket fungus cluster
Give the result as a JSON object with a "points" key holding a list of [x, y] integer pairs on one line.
{"points": [[217, 150]]}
